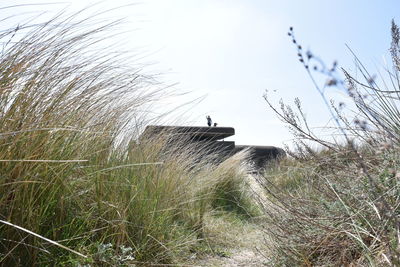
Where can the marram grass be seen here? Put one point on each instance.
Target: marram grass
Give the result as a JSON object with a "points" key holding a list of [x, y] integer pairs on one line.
{"points": [[75, 186]]}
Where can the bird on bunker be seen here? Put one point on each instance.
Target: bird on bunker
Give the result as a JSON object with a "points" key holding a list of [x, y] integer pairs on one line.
{"points": [[209, 121]]}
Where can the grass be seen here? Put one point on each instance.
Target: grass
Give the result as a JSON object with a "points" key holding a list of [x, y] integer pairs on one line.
{"points": [[76, 187], [232, 191], [339, 205]]}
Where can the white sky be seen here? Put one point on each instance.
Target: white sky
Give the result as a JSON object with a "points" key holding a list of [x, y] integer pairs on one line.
{"points": [[230, 51]]}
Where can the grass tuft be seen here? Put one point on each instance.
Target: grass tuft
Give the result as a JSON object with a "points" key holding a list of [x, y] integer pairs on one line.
{"points": [[339, 205], [74, 180]]}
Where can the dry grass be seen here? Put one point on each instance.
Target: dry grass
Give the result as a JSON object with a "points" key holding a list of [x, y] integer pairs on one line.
{"points": [[339, 206], [72, 175]]}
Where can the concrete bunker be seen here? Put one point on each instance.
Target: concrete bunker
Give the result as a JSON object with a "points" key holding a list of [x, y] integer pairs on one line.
{"points": [[213, 139]]}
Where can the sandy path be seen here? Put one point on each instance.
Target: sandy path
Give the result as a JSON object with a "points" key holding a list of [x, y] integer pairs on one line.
{"points": [[248, 254], [241, 258], [249, 240]]}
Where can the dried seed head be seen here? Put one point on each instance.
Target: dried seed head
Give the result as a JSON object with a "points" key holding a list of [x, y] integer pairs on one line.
{"points": [[331, 82], [371, 80], [363, 125], [387, 145], [350, 91]]}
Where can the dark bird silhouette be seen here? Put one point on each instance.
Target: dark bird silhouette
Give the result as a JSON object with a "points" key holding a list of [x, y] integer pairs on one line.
{"points": [[209, 121], [215, 124]]}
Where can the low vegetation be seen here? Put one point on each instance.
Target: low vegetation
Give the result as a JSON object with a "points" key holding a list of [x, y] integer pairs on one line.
{"points": [[77, 187], [339, 205]]}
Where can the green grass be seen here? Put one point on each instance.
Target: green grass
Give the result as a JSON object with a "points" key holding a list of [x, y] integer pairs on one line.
{"points": [[72, 171], [232, 191]]}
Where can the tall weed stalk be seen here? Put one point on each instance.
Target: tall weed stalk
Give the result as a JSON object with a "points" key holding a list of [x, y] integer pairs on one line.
{"points": [[340, 205]]}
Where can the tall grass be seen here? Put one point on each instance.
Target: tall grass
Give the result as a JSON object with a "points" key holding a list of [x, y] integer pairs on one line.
{"points": [[231, 188], [71, 170], [339, 205]]}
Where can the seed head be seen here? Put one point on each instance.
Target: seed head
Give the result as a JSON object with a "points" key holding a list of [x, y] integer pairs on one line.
{"points": [[331, 82], [371, 80], [363, 125], [387, 145]]}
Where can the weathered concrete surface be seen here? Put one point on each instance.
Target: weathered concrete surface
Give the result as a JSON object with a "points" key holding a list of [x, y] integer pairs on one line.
{"points": [[195, 133], [209, 139]]}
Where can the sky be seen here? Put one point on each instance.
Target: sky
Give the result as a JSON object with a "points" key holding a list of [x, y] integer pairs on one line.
{"points": [[226, 53]]}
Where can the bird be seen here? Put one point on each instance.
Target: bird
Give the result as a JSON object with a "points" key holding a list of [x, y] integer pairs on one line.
{"points": [[209, 121]]}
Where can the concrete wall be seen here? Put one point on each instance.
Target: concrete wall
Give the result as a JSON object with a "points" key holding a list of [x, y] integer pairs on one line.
{"points": [[208, 139]]}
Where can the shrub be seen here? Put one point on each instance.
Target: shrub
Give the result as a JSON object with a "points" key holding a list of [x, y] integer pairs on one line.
{"points": [[340, 206]]}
